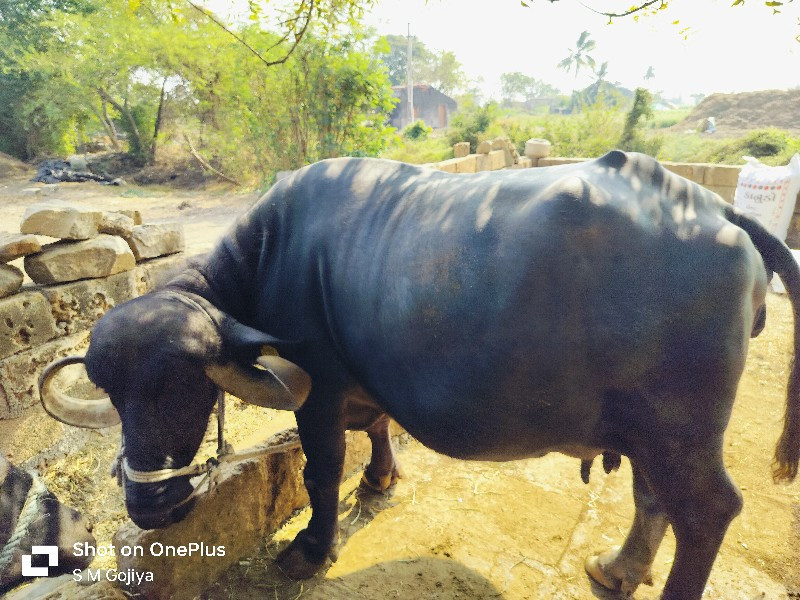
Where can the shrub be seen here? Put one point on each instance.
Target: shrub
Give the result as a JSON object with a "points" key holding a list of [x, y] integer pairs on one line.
{"points": [[765, 142], [772, 144], [467, 125], [417, 131], [590, 133], [430, 150]]}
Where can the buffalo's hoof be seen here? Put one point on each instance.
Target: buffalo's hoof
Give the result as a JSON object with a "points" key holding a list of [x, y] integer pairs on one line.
{"points": [[380, 484], [299, 560], [603, 572]]}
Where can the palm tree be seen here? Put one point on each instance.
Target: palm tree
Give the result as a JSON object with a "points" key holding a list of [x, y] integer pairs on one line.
{"points": [[579, 57], [601, 73], [597, 86]]}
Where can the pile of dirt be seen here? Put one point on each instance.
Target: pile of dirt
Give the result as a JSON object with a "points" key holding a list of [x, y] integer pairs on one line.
{"points": [[11, 167], [738, 113]]}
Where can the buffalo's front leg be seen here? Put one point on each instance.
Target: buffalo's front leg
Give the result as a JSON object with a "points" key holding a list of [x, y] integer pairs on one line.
{"points": [[623, 569], [321, 429], [382, 471]]}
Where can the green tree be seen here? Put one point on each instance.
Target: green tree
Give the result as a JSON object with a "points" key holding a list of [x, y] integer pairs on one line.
{"points": [[161, 79], [25, 27], [633, 138], [579, 56], [444, 72], [518, 87], [441, 69], [107, 64]]}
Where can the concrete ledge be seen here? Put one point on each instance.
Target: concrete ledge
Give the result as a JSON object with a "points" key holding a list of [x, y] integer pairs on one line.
{"points": [[251, 501], [720, 175], [693, 171], [467, 164]]}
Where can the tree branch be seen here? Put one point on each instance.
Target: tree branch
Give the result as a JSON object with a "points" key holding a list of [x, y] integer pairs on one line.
{"points": [[206, 165], [298, 35], [104, 95], [628, 12]]}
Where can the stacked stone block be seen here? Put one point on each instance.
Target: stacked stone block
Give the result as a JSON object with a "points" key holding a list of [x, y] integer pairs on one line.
{"points": [[491, 155], [99, 260], [13, 246]]}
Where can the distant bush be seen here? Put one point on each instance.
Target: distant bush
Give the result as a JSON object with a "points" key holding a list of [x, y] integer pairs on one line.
{"points": [[468, 124], [417, 131], [667, 118], [590, 133], [765, 142], [771, 145], [432, 149]]}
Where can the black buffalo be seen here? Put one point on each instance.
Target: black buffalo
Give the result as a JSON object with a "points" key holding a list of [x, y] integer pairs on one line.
{"points": [[598, 307]]}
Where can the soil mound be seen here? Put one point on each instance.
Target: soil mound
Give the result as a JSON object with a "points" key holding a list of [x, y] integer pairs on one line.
{"points": [[737, 113], [11, 167]]}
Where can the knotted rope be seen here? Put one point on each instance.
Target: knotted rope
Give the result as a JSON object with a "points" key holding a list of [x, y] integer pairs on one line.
{"points": [[28, 514]]}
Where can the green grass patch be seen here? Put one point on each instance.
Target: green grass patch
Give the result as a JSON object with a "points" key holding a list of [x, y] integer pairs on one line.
{"points": [[667, 118], [434, 148]]}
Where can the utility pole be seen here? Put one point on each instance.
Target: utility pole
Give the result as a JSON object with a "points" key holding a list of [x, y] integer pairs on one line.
{"points": [[409, 81]]}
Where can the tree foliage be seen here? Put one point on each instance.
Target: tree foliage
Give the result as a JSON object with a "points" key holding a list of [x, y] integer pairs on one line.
{"points": [[138, 73], [579, 56], [25, 27], [655, 5], [440, 69], [470, 122], [518, 87], [633, 138]]}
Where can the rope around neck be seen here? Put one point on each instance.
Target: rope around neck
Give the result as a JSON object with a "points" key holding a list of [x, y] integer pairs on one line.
{"points": [[28, 514]]}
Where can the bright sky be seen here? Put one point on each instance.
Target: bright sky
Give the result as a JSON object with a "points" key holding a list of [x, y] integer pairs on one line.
{"points": [[728, 49]]}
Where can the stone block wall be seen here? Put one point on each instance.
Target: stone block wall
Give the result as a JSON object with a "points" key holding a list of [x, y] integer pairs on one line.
{"points": [[491, 155], [39, 324], [100, 260]]}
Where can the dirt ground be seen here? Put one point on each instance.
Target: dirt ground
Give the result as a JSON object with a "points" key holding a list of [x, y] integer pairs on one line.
{"points": [[452, 529]]}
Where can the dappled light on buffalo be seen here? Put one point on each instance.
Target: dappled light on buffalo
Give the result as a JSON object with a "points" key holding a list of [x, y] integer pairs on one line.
{"points": [[446, 309]]}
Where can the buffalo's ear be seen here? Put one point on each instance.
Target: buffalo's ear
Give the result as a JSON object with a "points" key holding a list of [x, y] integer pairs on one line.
{"points": [[268, 381], [245, 344]]}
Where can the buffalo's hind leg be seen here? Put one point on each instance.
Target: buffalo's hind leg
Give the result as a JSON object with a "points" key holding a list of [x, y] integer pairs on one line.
{"points": [[382, 472], [700, 501], [686, 484], [623, 569]]}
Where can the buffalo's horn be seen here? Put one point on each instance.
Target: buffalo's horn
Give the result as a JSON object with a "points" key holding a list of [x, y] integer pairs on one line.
{"points": [[80, 412], [278, 384]]}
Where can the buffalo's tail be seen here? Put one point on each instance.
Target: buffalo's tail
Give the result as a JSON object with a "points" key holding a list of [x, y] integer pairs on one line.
{"points": [[778, 258]]}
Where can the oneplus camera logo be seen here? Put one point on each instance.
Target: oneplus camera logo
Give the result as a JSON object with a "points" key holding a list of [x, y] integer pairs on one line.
{"points": [[52, 561]]}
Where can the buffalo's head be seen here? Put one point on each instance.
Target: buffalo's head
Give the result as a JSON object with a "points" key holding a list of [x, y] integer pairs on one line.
{"points": [[162, 358]]}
